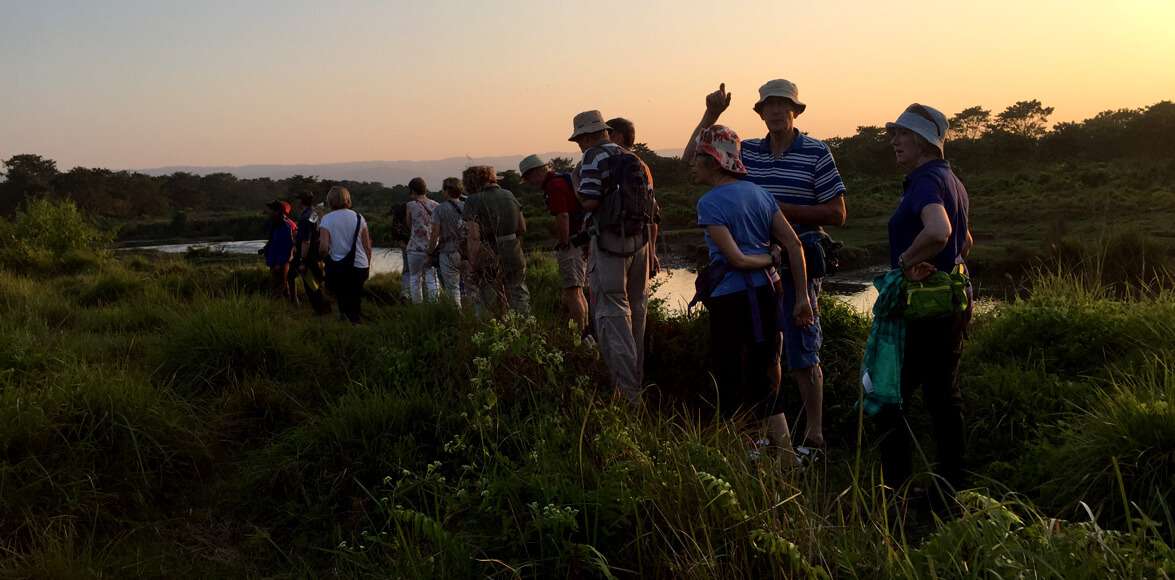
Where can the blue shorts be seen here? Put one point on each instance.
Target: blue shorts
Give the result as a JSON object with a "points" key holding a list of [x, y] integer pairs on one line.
{"points": [[801, 346]]}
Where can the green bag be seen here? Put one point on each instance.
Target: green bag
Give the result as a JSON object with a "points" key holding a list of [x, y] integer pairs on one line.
{"points": [[939, 295]]}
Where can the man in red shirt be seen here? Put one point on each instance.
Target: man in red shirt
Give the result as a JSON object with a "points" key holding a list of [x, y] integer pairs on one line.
{"points": [[564, 205]]}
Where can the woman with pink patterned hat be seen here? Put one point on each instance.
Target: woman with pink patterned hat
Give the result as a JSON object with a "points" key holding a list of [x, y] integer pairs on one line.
{"points": [[741, 221]]}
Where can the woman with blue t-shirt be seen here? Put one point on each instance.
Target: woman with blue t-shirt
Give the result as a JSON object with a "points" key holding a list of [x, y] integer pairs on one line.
{"points": [[928, 232], [741, 220]]}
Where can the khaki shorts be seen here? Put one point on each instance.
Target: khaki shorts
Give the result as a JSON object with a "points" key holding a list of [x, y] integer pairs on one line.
{"points": [[572, 267]]}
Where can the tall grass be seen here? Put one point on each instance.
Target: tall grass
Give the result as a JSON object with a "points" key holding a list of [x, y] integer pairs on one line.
{"points": [[160, 395]]}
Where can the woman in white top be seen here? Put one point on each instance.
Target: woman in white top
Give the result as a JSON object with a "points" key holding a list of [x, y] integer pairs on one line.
{"points": [[421, 275], [346, 243]]}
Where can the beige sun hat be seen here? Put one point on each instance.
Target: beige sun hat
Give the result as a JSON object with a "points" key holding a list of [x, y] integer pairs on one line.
{"points": [[530, 162], [587, 122], [780, 88]]}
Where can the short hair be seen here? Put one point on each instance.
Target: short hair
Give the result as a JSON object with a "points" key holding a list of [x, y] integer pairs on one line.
{"points": [[338, 198], [626, 130], [928, 149], [477, 177], [417, 186], [452, 184]]}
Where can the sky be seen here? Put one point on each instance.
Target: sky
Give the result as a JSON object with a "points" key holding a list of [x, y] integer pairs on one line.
{"points": [[138, 84]]}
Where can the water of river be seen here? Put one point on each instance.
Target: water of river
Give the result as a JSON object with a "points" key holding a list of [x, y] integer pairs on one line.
{"points": [[675, 285]]}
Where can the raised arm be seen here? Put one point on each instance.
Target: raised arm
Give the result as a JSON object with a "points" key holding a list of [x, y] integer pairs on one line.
{"points": [[716, 104]]}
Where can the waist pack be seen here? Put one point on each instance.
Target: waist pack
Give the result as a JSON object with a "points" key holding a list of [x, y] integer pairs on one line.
{"points": [[712, 275], [939, 295], [821, 253]]}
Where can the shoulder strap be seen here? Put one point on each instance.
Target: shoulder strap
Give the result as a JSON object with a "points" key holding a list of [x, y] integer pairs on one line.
{"points": [[358, 222]]}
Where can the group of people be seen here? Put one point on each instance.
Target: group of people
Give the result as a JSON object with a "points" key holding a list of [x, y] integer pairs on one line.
{"points": [[763, 219]]}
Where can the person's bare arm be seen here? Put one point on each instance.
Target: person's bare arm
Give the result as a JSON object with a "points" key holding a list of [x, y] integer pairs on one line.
{"points": [[936, 231], [521, 223], [563, 229], [367, 245], [434, 237], [716, 104], [472, 241], [786, 235], [730, 250], [323, 242], [967, 245], [829, 213]]}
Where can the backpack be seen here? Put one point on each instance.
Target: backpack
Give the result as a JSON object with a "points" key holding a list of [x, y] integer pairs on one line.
{"points": [[399, 230], [627, 205]]}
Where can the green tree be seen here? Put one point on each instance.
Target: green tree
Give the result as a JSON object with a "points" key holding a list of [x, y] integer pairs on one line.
{"points": [[970, 123], [1026, 119], [561, 164], [26, 176]]}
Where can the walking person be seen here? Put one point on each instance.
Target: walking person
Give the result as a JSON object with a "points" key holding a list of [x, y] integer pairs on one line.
{"points": [[615, 186], [346, 243], [569, 219], [307, 263], [494, 225], [422, 276], [447, 239], [801, 175], [279, 247], [740, 221], [928, 232]]}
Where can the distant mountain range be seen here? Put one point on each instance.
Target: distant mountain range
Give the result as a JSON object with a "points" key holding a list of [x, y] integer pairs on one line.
{"points": [[387, 172]]}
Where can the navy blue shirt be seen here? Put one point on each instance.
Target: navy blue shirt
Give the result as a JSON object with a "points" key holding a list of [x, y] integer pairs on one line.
{"points": [[746, 210], [931, 183]]}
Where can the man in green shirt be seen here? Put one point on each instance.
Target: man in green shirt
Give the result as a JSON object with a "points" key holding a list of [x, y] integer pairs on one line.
{"points": [[494, 225]]}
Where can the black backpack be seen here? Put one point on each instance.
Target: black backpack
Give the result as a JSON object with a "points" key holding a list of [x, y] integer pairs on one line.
{"points": [[627, 205]]}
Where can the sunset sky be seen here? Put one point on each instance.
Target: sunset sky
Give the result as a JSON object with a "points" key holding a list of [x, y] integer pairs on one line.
{"points": [[141, 84]]}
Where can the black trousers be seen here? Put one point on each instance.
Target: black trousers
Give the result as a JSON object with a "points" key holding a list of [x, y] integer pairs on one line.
{"points": [[933, 349], [742, 366], [346, 283]]}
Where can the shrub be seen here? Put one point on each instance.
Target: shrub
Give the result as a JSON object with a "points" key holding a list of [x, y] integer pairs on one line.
{"points": [[1122, 448], [50, 232]]}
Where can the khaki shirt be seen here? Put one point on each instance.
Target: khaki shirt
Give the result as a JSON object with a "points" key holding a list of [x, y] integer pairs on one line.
{"points": [[496, 211]]}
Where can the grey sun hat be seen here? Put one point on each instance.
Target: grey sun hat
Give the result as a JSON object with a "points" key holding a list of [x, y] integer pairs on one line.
{"points": [[530, 162], [780, 88], [927, 122], [587, 122]]}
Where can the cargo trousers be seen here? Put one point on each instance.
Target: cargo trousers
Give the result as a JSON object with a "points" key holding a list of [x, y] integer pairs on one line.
{"points": [[619, 303]]}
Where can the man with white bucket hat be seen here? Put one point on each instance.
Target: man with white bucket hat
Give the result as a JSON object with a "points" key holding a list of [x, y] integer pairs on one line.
{"points": [[801, 175]]}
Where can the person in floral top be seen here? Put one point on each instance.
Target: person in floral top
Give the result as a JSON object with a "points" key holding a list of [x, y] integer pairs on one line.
{"points": [[422, 276]]}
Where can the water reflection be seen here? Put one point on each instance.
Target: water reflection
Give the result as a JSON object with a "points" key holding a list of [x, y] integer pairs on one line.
{"points": [[674, 285]]}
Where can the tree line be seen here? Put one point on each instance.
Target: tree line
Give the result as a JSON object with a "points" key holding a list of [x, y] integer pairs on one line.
{"points": [[1018, 135]]}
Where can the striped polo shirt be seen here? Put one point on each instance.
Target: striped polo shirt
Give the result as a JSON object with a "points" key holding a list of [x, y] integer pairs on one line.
{"points": [[804, 175]]}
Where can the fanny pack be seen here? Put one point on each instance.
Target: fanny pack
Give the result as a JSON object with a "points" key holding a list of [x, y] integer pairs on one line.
{"points": [[939, 295], [821, 253], [712, 275]]}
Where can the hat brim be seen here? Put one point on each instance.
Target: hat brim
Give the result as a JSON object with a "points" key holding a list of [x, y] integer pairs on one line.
{"points": [[800, 107], [588, 129]]}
